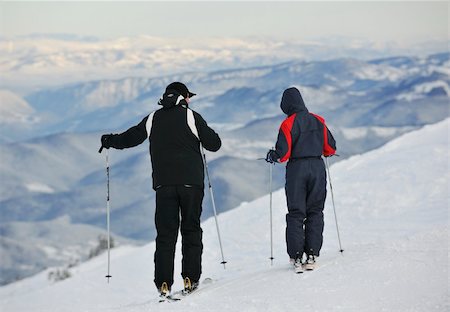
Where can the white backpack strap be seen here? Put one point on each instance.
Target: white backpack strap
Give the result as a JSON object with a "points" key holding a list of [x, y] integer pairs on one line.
{"points": [[191, 123], [148, 125]]}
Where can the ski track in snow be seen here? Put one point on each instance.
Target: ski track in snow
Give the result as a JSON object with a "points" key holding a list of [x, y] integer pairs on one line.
{"points": [[392, 209]]}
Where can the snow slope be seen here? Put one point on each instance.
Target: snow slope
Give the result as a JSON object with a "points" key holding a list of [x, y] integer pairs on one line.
{"points": [[392, 206]]}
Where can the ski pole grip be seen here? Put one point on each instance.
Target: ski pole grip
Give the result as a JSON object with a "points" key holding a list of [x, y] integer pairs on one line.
{"points": [[101, 149]]}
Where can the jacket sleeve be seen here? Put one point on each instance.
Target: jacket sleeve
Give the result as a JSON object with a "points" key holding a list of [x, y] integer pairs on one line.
{"points": [[283, 147], [132, 137], [208, 137], [329, 143], [329, 146]]}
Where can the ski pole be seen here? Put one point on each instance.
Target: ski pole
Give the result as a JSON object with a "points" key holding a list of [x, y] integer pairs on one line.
{"points": [[214, 206], [334, 207], [271, 224], [270, 205], [108, 275]]}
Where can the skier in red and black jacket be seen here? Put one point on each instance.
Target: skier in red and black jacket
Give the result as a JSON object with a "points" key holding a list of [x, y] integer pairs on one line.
{"points": [[175, 133], [302, 140]]}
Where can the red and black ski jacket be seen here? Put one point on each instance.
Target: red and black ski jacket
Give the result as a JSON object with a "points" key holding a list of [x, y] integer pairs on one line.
{"points": [[302, 134]]}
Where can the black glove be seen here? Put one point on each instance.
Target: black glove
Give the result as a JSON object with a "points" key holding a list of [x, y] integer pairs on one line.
{"points": [[271, 156], [106, 140]]}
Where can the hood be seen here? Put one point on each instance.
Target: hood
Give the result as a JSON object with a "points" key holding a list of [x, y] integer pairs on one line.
{"points": [[171, 98], [292, 102]]}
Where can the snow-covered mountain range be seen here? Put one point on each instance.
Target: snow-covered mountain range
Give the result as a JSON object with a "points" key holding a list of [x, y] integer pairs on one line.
{"points": [[50, 167], [44, 60], [392, 208], [382, 92]]}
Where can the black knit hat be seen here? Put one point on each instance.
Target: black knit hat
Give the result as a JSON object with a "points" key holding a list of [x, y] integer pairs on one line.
{"points": [[180, 88]]}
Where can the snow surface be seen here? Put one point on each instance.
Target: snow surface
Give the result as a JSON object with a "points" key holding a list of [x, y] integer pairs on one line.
{"points": [[392, 206]]}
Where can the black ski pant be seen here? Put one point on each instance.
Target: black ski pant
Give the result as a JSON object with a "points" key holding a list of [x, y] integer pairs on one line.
{"points": [[306, 183], [173, 202]]}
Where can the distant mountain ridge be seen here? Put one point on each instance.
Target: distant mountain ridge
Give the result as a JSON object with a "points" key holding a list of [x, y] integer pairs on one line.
{"points": [[337, 87], [50, 60]]}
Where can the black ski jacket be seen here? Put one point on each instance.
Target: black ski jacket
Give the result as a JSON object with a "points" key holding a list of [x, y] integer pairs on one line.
{"points": [[175, 133], [302, 134]]}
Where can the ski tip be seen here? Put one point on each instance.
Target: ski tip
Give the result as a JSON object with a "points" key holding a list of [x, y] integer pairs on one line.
{"points": [[100, 150]]}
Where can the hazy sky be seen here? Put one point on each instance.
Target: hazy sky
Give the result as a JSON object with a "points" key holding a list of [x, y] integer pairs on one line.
{"points": [[381, 21]]}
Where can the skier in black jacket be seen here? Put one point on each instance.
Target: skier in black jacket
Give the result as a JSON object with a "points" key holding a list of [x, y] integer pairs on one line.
{"points": [[175, 133], [303, 139]]}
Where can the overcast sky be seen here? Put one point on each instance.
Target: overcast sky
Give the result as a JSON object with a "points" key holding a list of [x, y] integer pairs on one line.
{"points": [[380, 21]]}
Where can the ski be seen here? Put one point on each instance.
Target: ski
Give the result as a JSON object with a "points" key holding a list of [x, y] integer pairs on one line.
{"points": [[305, 268], [169, 298], [180, 294]]}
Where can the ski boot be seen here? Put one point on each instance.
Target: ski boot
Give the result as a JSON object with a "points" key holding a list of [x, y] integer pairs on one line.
{"points": [[310, 263], [165, 295], [164, 292], [297, 262], [189, 286]]}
